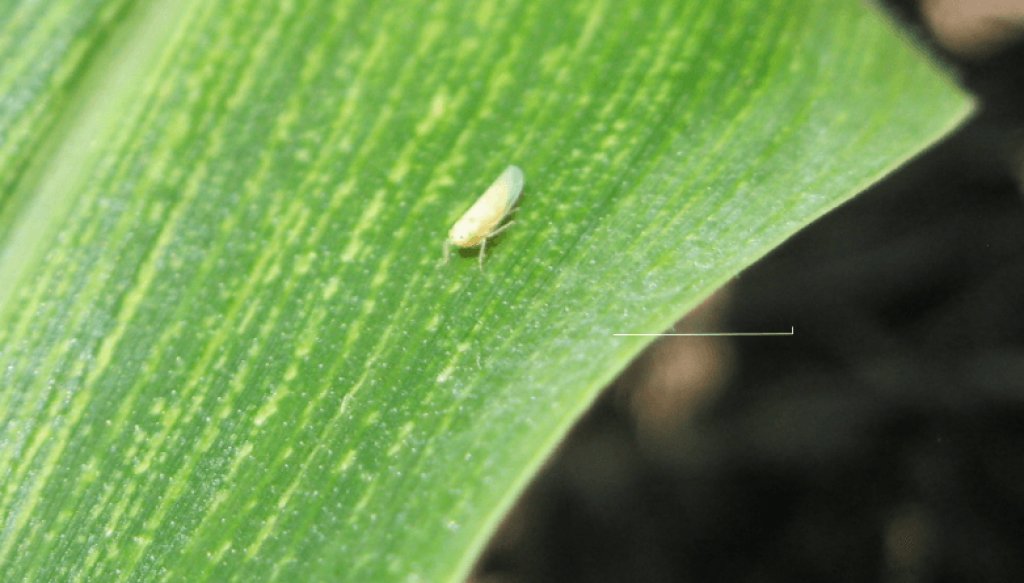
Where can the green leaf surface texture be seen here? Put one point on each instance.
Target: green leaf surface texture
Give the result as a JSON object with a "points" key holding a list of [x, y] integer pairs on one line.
{"points": [[229, 347]]}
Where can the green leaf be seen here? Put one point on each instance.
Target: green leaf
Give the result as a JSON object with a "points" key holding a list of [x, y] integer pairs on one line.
{"points": [[228, 347]]}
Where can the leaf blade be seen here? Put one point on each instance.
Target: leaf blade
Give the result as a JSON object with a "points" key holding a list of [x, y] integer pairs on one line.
{"points": [[245, 362]]}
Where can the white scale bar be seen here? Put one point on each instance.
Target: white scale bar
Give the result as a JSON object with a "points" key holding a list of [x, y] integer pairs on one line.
{"points": [[792, 331]]}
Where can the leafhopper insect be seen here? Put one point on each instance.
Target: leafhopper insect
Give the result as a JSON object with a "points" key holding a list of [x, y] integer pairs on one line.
{"points": [[483, 220]]}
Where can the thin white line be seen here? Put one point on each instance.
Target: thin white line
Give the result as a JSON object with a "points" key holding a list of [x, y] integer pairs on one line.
{"points": [[792, 331]]}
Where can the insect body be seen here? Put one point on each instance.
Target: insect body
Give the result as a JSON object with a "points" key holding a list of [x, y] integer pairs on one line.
{"points": [[483, 220]]}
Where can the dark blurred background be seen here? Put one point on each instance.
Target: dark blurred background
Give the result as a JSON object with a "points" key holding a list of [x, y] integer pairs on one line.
{"points": [[884, 441]]}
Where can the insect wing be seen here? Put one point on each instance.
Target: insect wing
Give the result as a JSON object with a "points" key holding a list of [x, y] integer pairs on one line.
{"points": [[511, 183], [496, 201]]}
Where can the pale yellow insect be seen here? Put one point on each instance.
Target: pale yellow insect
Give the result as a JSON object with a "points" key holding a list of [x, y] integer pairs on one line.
{"points": [[483, 220]]}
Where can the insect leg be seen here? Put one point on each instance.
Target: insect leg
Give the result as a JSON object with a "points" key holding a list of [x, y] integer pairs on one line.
{"points": [[483, 244], [500, 229]]}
